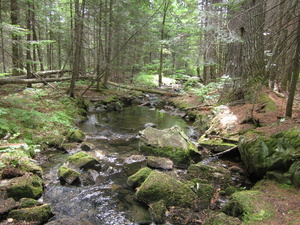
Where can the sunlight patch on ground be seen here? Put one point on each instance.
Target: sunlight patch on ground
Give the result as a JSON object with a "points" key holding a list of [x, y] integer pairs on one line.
{"points": [[225, 116]]}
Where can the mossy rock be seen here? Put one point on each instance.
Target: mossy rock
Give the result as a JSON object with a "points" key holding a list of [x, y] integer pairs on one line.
{"points": [[21, 161], [29, 202], [221, 219], [157, 211], [27, 186], [249, 205], [139, 177], [6, 206], [67, 175], [216, 176], [82, 160], [160, 186], [86, 146], [205, 192], [38, 214], [171, 143], [75, 135], [294, 173], [278, 152]]}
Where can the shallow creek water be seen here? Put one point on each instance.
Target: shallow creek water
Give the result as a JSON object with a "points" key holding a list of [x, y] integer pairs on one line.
{"points": [[104, 197]]}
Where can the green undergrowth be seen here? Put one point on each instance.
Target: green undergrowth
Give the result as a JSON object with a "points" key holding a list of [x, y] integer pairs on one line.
{"points": [[31, 114]]}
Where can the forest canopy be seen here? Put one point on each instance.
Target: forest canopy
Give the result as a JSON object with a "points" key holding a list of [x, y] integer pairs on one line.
{"points": [[251, 43]]}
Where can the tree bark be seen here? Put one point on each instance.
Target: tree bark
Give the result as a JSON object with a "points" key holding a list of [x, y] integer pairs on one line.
{"points": [[16, 57], [31, 81], [295, 74]]}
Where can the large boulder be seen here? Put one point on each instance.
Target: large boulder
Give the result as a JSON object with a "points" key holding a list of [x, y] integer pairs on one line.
{"points": [[6, 206], [68, 175], [160, 186], [139, 177], [29, 186], [294, 173], [75, 135], [248, 204], [171, 143], [217, 176], [277, 152], [82, 160], [35, 215], [221, 218]]}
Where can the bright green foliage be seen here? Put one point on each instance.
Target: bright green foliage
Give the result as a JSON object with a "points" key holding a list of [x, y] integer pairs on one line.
{"points": [[34, 111]]}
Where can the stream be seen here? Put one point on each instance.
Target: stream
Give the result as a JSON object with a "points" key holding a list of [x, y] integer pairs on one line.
{"points": [[104, 197]]}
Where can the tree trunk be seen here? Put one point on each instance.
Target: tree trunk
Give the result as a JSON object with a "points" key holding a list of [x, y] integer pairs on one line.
{"points": [[78, 44], [295, 74], [162, 37], [16, 57]]}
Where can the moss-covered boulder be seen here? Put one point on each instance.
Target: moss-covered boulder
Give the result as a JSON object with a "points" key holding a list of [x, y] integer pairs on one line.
{"points": [[205, 192], [160, 186], [86, 146], [139, 177], [29, 202], [157, 211], [6, 206], [171, 143], [217, 176], [248, 204], [29, 186], [68, 175], [75, 135], [82, 160], [38, 214], [221, 219], [22, 163], [294, 173], [278, 152]]}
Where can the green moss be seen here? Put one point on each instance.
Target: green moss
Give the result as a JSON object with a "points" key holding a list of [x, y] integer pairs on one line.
{"points": [[213, 175], [81, 160], [160, 186], [249, 205], [75, 135], [221, 219], [157, 211], [179, 156], [67, 175], [270, 105], [139, 177], [29, 186], [39, 214], [29, 202]]}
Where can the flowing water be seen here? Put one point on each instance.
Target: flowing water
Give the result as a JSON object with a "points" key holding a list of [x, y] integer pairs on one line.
{"points": [[103, 196]]}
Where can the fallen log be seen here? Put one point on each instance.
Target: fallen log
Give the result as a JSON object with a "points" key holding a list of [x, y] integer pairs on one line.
{"points": [[166, 93], [31, 81]]}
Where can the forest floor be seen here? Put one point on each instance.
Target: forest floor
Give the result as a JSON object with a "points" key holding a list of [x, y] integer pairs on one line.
{"points": [[269, 111]]}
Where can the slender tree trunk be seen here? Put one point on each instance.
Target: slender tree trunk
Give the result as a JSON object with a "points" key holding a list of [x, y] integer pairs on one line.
{"points": [[28, 50], [78, 44], [2, 40], [16, 57], [108, 42], [162, 37], [295, 74]]}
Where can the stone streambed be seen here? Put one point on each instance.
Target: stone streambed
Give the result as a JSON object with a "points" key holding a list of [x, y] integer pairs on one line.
{"points": [[106, 192]]}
